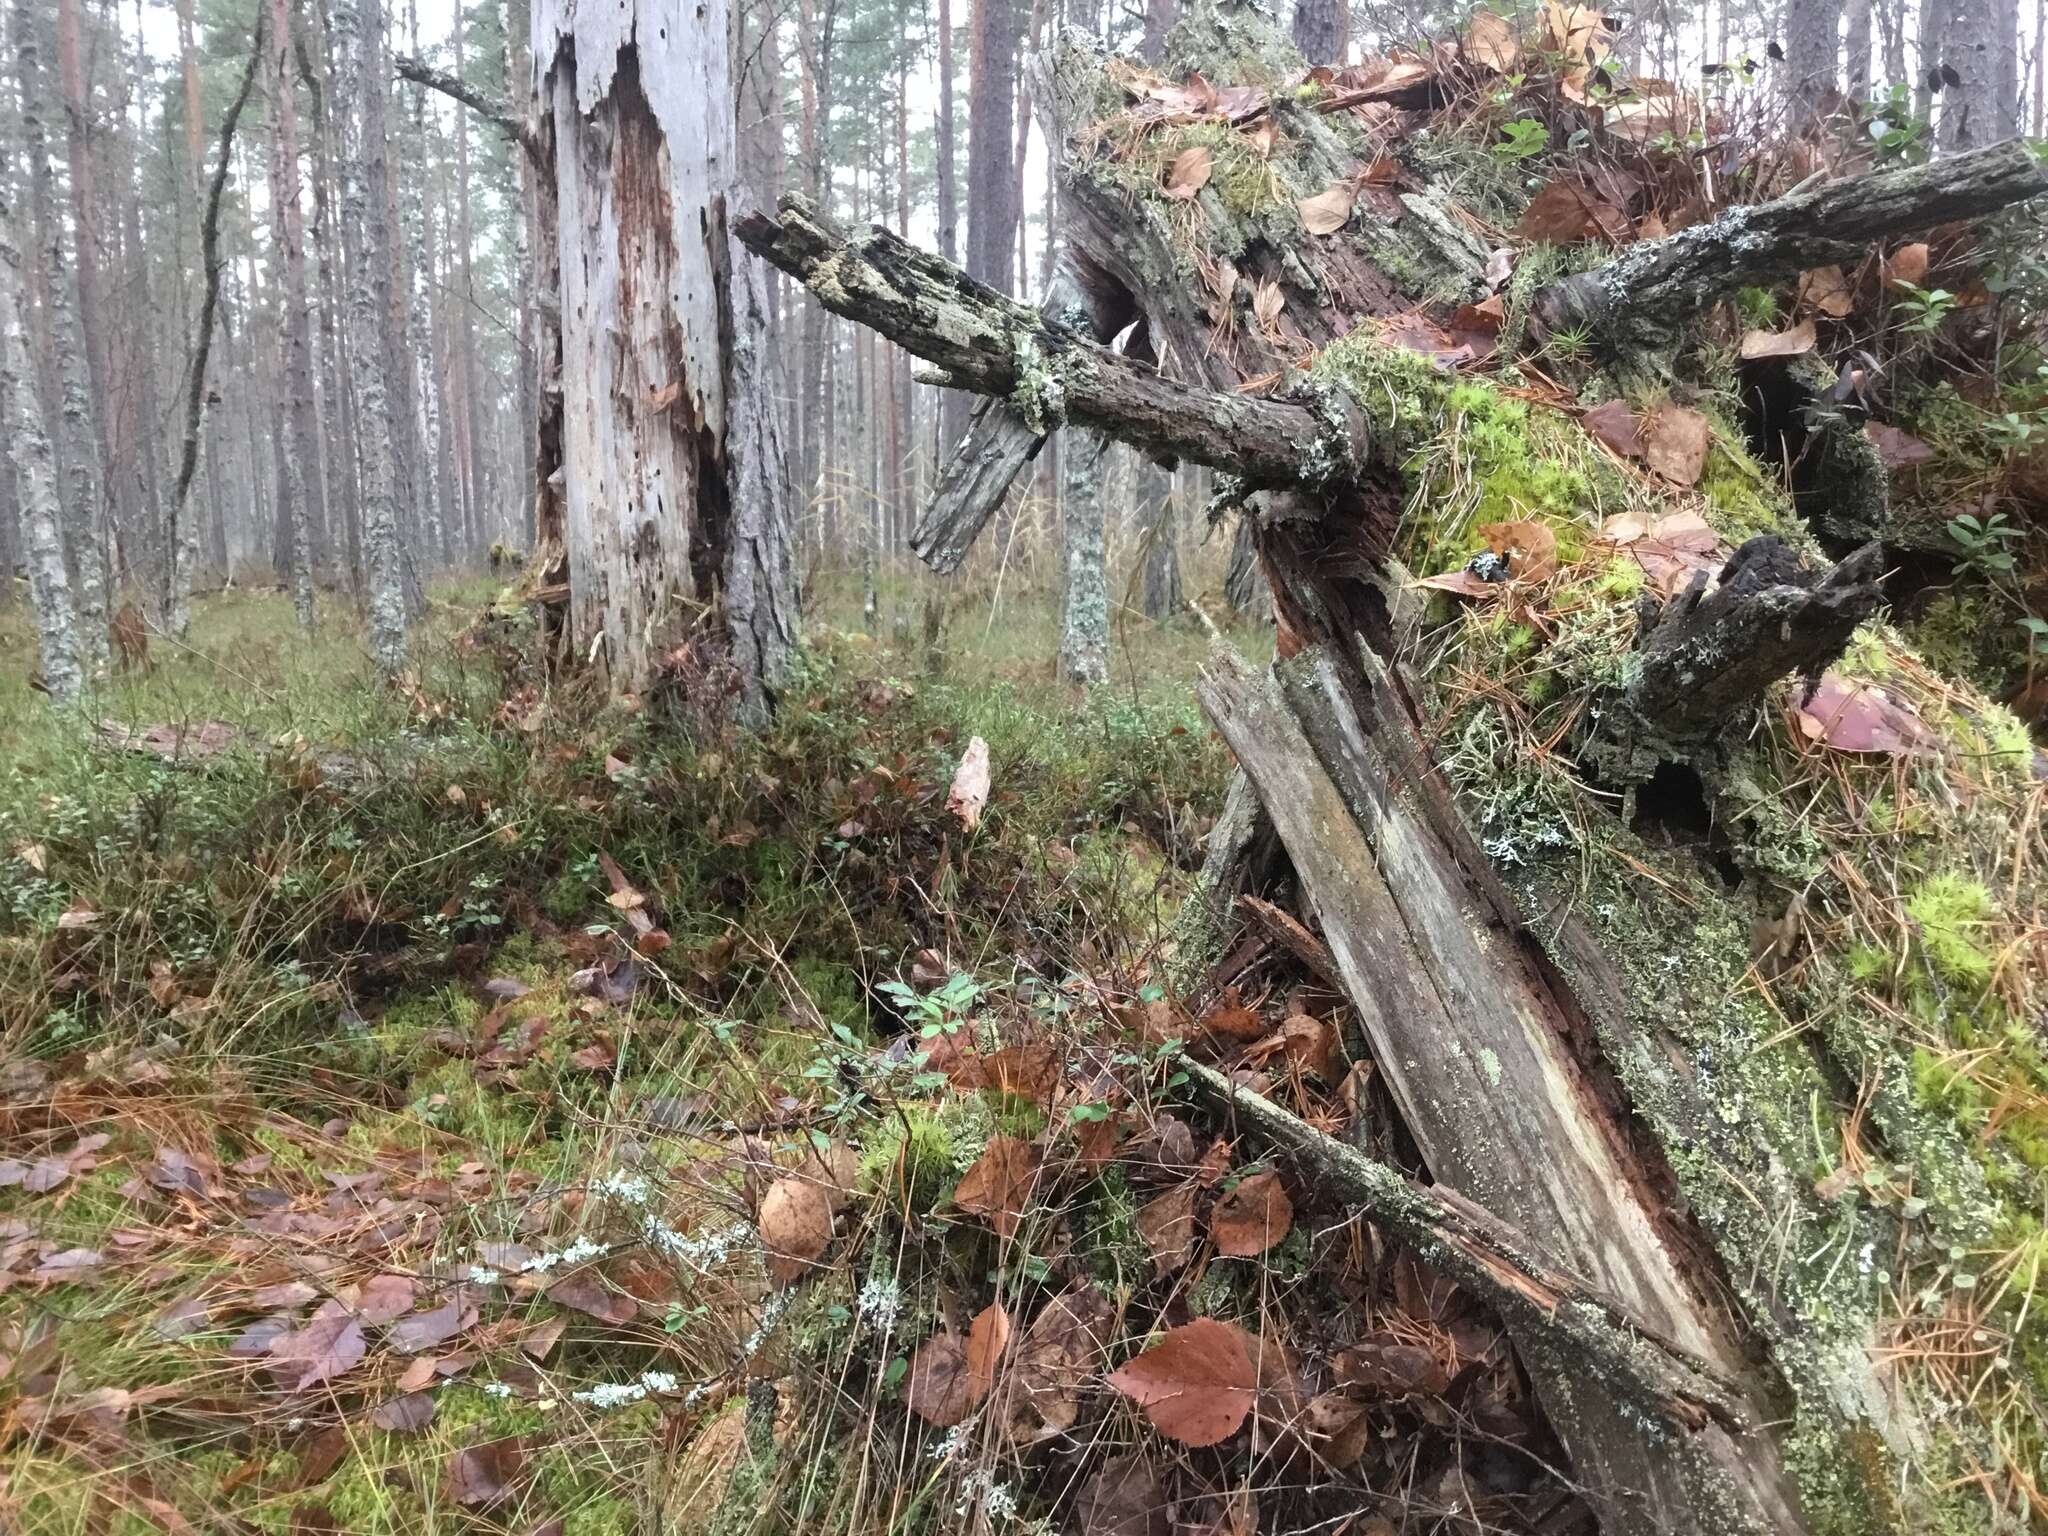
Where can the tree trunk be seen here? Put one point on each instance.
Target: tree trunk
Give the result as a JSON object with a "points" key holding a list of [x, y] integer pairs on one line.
{"points": [[677, 514], [1856, 50], [953, 405], [65, 341], [34, 467], [1319, 30], [1812, 62], [295, 318], [359, 114], [1158, 519], [1084, 630], [991, 119], [1970, 111]]}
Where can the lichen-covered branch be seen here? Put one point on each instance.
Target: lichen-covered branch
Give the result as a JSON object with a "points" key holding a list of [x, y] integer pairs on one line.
{"points": [[1709, 656], [1053, 372], [1649, 291], [497, 113]]}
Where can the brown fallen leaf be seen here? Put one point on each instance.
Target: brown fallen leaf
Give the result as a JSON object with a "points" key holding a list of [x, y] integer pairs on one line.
{"points": [[951, 1377], [1670, 549], [1486, 317], [1675, 442], [1531, 548], [1613, 422], [1329, 210], [999, 1185], [330, 1345], [1908, 264], [584, 1292], [1796, 342], [796, 1227], [1462, 583], [1167, 1224], [1565, 213], [1851, 715], [1196, 1384], [1229, 1019], [1252, 1217], [483, 1476], [1337, 1428], [1124, 1498], [435, 1326], [1053, 1364], [1825, 289], [406, 1414], [1896, 447], [386, 1298], [1189, 173], [1490, 43]]}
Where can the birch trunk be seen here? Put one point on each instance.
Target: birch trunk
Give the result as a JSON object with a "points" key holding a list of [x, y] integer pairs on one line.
{"points": [[1084, 633], [677, 510], [294, 366], [65, 341], [35, 474], [419, 330], [359, 117]]}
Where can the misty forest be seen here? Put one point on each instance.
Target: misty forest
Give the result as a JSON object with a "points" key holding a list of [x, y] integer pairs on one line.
{"points": [[1105, 767]]}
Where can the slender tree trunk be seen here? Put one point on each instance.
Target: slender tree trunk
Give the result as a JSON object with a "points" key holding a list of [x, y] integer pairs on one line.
{"points": [[1856, 50], [294, 319], [2006, 74], [478, 495], [953, 405], [1160, 16], [359, 97], [1933, 29], [1159, 521], [1970, 111], [35, 475], [1084, 631], [1811, 54], [991, 116], [419, 326], [66, 341]]}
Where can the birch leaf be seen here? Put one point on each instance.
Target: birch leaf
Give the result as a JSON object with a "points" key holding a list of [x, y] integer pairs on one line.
{"points": [[1760, 344], [1329, 210], [1189, 173], [1196, 1384], [1490, 43]]}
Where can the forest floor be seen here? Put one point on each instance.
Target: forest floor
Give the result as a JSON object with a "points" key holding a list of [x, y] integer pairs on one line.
{"points": [[413, 1097]]}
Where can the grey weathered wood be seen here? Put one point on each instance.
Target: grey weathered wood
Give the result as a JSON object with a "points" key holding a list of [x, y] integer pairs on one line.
{"points": [[993, 451], [1470, 1040], [1646, 294]]}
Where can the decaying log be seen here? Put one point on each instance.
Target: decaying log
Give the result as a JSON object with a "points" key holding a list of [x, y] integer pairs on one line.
{"points": [[1283, 930], [1469, 1245], [1708, 656], [1469, 1030], [1645, 296], [1053, 372]]}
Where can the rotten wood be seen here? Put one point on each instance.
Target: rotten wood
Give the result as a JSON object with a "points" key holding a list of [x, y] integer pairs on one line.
{"points": [[1641, 299], [1470, 1038], [1283, 929]]}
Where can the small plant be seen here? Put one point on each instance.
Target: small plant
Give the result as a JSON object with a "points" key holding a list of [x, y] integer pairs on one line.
{"points": [[1757, 306], [1984, 544], [2014, 432], [1570, 346], [1923, 309], [1525, 138], [1899, 135], [941, 1011]]}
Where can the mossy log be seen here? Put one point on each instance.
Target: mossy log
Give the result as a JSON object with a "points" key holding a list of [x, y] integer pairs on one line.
{"points": [[1645, 296]]}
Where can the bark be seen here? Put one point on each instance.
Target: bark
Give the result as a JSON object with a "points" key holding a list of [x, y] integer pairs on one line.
{"points": [[1812, 57], [359, 112], [953, 406], [992, 211], [1319, 30], [1638, 302], [1159, 18], [1244, 584], [1084, 631], [419, 325], [34, 467], [476, 479], [1970, 114], [1933, 24], [65, 340], [676, 503], [295, 320], [1856, 50]]}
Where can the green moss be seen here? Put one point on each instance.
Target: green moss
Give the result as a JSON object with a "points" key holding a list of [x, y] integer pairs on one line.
{"points": [[1742, 501], [910, 1156], [1950, 913]]}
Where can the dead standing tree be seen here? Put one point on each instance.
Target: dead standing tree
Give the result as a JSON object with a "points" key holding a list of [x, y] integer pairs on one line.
{"points": [[1547, 1071]]}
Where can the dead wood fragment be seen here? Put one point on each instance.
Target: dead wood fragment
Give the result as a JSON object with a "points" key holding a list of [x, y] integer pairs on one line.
{"points": [[1496, 1263]]}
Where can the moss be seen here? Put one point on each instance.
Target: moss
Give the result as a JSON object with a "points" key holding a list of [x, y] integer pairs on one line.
{"points": [[1969, 632], [910, 1156], [1742, 501], [1950, 913]]}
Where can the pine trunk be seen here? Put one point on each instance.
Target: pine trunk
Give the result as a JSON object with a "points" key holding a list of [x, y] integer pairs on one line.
{"points": [[1084, 631], [295, 318]]}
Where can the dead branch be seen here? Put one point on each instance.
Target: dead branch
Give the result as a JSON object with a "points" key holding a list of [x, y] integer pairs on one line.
{"points": [[1639, 300], [994, 345], [499, 114]]}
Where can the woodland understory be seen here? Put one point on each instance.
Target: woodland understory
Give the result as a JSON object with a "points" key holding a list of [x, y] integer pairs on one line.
{"points": [[704, 830]]}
